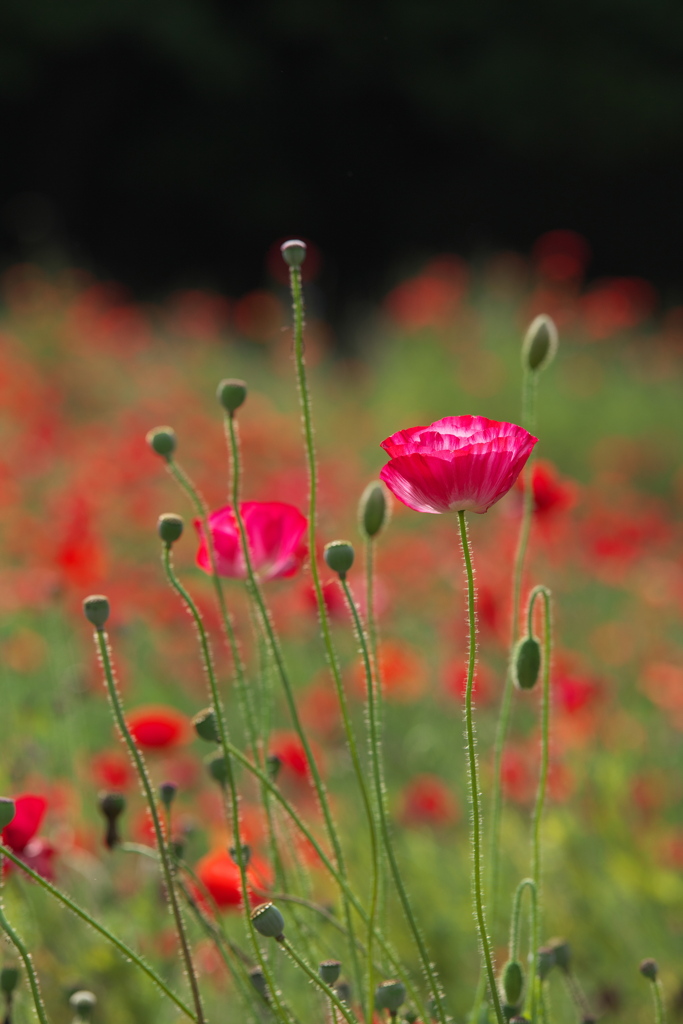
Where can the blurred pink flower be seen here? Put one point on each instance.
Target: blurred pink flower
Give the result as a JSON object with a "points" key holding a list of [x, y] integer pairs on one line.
{"points": [[275, 532], [20, 835], [459, 463]]}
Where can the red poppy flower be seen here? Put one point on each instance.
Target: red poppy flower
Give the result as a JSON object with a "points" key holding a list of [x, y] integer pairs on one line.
{"points": [[158, 727], [427, 800], [275, 532], [20, 835], [459, 463], [551, 493], [220, 876]]}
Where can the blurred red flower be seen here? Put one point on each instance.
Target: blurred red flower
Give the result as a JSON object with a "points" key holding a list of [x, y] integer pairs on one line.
{"points": [[20, 835], [275, 532], [427, 800], [220, 876], [552, 493], [158, 727], [459, 463]]}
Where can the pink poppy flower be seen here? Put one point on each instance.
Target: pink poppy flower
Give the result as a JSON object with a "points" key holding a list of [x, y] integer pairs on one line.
{"points": [[20, 835], [459, 463], [275, 532]]}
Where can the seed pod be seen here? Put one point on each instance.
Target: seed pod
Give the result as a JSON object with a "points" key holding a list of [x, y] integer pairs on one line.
{"points": [[545, 961], [527, 663], [389, 996], [232, 394], [648, 968], [373, 509], [206, 725], [83, 1003], [339, 555], [343, 990], [540, 344], [162, 440], [293, 252], [9, 979], [170, 527], [96, 610], [112, 806], [258, 980], [167, 792], [273, 764], [217, 767], [329, 971], [563, 953], [268, 921]]}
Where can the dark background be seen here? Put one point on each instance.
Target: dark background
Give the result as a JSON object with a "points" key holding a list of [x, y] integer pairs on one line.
{"points": [[170, 143]]}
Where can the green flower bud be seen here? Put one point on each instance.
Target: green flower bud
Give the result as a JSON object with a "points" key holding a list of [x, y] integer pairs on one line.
{"points": [[246, 854], [410, 1016], [258, 980], [293, 252], [7, 811], [167, 792], [162, 440], [339, 555], [513, 982], [540, 344], [268, 921], [545, 961], [273, 764], [329, 971], [389, 996], [527, 663], [648, 968], [232, 394], [217, 767], [83, 1003], [373, 509], [563, 953], [96, 610], [9, 979], [206, 725], [170, 527]]}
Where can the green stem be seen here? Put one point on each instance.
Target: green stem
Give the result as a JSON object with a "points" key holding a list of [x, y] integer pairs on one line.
{"points": [[232, 805], [526, 883], [123, 948], [379, 695], [657, 995], [313, 975], [276, 652], [145, 781], [380, 800], [23, 952], [473, 778]]}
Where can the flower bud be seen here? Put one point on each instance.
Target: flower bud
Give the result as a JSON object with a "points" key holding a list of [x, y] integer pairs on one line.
{"points": [[162, 440], [563, 953], [389, 996], [246, 854], [329, 971], [273, 765], [9, 979], [527, 663], [540, 344], [112, 806], [7, 811], [410, 1017], [293, 252], [167, 792], [268, 921], [648, 968], [513, 982], [343, 990], [96, 610], [170, 527], [545, 961], [206, 725], [258, 980], [339, 555], [217, 767], [232, 394], [83, 1003], [373, 509]]}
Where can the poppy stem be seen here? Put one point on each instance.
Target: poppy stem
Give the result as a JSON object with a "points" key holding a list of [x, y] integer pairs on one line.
{"points": [[313, 975], [526, 883], [660, 1015], [23, 952], [473, 778], [102, 645], [295, 282], [231, 806], [537, 818], [276, 651], [380, 800]]}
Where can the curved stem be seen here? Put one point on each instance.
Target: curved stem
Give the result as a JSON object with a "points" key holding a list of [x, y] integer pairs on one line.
{"points": [[526, 883], [276, 652], [123, 948], [312, 469], [143, 775], [473, 778], [23, 952], [380, 799]]}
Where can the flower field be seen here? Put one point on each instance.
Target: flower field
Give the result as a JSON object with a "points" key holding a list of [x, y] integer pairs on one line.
{"points": [[85, 375]]}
